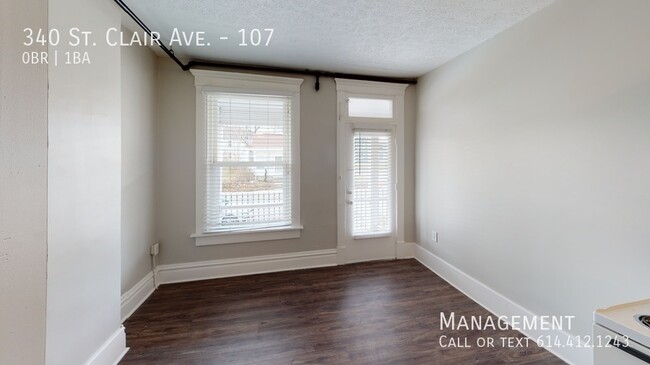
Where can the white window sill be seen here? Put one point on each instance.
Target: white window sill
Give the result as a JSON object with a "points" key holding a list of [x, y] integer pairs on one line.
{"points": [[369, 236], [266, 234]]}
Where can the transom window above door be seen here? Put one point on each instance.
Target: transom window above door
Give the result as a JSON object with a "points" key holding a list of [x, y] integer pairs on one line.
{"points": [[370, 108]]}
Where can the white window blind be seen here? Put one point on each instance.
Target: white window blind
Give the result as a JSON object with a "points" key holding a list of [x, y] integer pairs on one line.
{"points": [[248, 161], [373, 185]]}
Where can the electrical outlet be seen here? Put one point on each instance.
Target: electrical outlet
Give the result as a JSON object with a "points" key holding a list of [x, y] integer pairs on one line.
{"points": [[154, 249], [434, 236]]}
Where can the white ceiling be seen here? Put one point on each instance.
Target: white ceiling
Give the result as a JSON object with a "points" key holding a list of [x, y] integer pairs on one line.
{"points": [[375, 37]]}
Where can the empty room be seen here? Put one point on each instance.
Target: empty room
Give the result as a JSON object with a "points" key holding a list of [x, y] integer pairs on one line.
{"points": [[325, 182]]}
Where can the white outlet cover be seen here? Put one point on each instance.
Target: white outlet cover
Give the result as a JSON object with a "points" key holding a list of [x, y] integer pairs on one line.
{"points": [[434, 236]]}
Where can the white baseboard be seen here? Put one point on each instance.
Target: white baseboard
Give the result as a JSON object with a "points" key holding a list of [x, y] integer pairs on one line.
{"points": [[499, 305], [132, 299], [405, 250], [203, 270], [112, 351], [176, 273]]}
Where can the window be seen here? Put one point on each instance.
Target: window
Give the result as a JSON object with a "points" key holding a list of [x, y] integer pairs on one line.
{"points": [[372, 182], [370, 108], [242, 193], [247, 157]]}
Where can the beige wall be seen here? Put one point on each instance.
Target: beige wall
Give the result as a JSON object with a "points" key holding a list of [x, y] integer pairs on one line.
{"points": [[176, 172], [84, 192], [138, 161], [23, 188], [533, 156], [410, 110]]}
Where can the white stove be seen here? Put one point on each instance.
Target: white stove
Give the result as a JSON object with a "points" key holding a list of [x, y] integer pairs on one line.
{"points": [[622, 334]]}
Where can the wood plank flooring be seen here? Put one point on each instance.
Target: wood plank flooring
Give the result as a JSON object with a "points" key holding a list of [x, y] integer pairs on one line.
{"points": [[385, 312]]}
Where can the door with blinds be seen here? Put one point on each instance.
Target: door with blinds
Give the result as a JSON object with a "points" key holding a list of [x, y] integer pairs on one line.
{"points": [[369, 194], [370, 154]]}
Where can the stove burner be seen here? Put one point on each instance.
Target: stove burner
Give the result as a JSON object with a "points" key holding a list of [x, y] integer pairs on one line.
{"points": [[644, 319]]}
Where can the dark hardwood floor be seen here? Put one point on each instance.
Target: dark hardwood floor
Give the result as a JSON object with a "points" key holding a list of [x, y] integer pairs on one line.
{"points": [[385, 312]]}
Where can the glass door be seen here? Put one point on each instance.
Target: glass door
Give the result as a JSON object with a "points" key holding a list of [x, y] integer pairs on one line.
{"points": [[370, 193]]}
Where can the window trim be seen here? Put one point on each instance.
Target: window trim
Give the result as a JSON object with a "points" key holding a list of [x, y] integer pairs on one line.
{"points": [[250, 235], [232, 82]]}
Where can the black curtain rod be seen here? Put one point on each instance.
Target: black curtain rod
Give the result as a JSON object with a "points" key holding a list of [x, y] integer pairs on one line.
{"points": [[217, 64], [315, 73], [144, 27]]}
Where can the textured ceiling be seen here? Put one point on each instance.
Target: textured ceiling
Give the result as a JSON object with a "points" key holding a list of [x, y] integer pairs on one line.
{"points": [[378, 37]]}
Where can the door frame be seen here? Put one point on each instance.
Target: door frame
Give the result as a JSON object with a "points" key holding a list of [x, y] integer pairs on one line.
{"points": [[354, 88]]}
